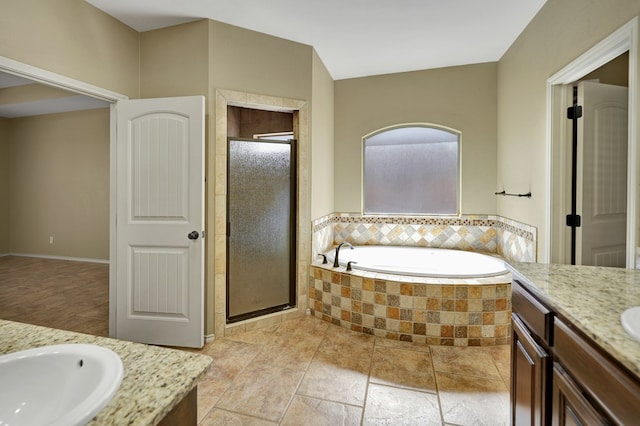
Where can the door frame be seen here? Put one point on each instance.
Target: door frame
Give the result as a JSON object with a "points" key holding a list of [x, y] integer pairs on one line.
{"points": [[217, 204], [59, 81], [622, 40]]}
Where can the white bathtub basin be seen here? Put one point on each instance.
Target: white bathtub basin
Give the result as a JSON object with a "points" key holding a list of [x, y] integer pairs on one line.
{"points": [[420, 261], [630, 320], [57, 385]]}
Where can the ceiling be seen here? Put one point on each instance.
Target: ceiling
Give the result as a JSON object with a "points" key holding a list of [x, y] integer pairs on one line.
{"points": [[354, 38], [357, 38]]}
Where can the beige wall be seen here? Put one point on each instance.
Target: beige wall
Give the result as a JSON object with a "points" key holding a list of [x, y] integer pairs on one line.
{"points": [[59, 184], [562, 31], [4, 186], [322, 110], [462, 98], [72, 38], [174, 61], [258, 63]]}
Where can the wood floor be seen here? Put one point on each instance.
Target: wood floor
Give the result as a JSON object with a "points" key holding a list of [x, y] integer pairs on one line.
{"points": [[54, 293]]}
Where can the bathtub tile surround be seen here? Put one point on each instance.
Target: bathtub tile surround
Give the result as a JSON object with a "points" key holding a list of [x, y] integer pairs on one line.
{"points": [[516, 241], [447, 312], [450, 312], [483, 233]]}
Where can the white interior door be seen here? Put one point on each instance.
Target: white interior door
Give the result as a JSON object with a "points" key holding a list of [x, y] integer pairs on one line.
{"points": [[602, 191], [160, 221]]}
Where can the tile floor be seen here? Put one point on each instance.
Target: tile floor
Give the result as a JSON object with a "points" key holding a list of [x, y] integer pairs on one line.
{"points": [[300, 372], [309, 372]]}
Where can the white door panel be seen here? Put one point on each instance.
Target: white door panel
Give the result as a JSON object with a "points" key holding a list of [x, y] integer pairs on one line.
{"points": [[160, 185], [602, 191]]}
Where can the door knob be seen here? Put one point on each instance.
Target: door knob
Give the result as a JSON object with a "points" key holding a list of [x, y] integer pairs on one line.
{"points": [[193, 235]]}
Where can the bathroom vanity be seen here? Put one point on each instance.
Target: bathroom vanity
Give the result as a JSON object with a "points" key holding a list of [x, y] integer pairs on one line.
{"points": [[572, 362], [159, 384]]}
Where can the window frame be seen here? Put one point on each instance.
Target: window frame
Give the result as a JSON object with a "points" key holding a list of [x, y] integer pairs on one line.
{"points": [[451, 130]]}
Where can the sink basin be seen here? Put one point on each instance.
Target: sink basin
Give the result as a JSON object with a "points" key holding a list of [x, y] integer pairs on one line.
{"points": [[57, 385], [630, 320]]}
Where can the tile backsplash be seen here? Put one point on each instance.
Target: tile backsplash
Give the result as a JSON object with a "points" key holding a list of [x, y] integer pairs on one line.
{"points": [[482, 233]]}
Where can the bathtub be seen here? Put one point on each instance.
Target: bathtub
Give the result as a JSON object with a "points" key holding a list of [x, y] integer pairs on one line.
{"points": [[421, 295], [420, 261]]}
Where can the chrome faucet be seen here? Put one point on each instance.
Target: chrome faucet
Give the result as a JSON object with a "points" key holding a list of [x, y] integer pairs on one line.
{"points": [[335, 259]]}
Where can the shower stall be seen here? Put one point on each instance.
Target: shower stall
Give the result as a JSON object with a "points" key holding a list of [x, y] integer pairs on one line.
{"points": [[261, 223]]}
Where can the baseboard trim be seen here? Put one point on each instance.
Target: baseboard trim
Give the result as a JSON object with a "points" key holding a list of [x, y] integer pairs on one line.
{"points": [[208, 338], [71, 259]]}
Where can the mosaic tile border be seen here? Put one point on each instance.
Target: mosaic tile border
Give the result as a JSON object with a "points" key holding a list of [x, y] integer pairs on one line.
{"points": [[485, 233], [454, 314]]}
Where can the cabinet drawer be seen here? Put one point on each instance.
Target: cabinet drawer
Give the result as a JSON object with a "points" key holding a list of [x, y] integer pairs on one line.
{"points": [[616, 393], [537, 317]]}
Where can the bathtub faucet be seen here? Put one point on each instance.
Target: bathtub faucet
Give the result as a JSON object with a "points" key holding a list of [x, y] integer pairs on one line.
{"points": [[335, 259]]}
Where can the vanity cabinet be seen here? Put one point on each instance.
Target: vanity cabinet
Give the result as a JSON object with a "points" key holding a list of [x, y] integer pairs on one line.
{"points": [[570, 407], [530, 359], [559, 376], [597, 388]]}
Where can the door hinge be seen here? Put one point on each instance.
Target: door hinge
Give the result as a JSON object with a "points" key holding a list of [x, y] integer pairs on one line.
{"points": [[574, 220], [574, 112]]}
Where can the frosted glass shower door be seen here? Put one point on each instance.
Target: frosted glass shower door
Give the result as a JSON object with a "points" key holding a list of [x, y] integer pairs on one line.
{"points": [[261, 227]]}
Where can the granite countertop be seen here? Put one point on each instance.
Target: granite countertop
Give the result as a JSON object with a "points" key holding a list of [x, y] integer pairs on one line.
{"points": [[155, 379], [592, 298]]}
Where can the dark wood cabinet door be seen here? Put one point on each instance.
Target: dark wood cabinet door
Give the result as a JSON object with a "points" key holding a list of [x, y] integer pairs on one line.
{"points": [[570, 407], [530, 378]]}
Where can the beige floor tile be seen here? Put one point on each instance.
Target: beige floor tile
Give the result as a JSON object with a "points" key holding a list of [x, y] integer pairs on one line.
{"points": [[260, 336], [388, 405], [341, 342], [209, 392], [502, 357], [261, 391], [402, 368], [289, 350], [221, 417], [307, 325], [421, 347], [229, 358], [471, 361], [336, 378], [317, 412], [470, 400]]}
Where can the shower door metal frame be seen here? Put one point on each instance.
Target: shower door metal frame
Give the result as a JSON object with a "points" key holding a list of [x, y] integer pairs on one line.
{"points": [[293, 235]]}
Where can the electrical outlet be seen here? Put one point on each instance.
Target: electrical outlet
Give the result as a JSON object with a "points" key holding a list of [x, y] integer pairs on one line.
{"points": [[51, 240]]}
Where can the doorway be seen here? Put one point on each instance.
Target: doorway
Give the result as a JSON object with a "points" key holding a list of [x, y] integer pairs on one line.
{"points": [[298, 109], [66, 95], [619, 48], [598, 153]]}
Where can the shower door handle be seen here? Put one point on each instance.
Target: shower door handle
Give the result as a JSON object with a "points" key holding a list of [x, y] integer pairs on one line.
{"points": [[193, 235]]}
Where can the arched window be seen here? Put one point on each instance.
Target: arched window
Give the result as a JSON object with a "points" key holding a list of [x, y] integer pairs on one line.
{"points": [[412, 169]]}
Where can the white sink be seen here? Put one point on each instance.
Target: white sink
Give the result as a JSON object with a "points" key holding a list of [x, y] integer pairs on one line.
{"points": [[630, 320], [57, 385]]}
